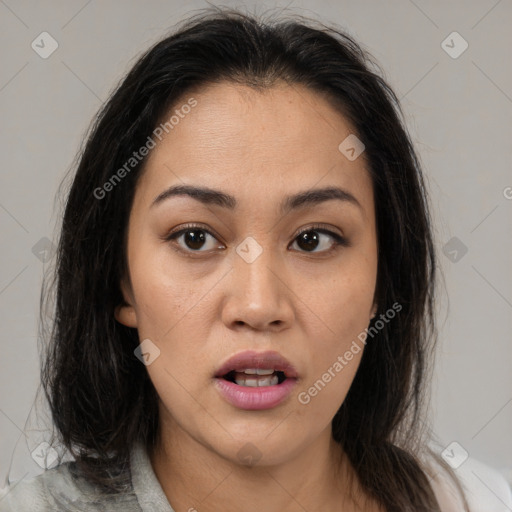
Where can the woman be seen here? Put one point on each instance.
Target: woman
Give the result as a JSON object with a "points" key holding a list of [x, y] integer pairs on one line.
{"points": [[245, 287]]}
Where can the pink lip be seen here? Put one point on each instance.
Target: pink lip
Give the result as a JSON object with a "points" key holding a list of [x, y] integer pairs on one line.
{"points": [[247, 398], [265, 397]]}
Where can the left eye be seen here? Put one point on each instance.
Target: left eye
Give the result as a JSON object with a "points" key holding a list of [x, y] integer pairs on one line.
{"points": [[311, 240]]}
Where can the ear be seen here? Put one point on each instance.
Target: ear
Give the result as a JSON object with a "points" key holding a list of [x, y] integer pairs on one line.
{"points": [[125, 313]]}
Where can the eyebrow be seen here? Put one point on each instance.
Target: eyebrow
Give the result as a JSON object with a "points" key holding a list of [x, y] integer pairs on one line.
{"points": [[296, 201]]}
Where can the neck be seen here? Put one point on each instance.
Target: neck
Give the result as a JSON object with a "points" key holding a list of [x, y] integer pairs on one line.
{"points": [[193, 476]]}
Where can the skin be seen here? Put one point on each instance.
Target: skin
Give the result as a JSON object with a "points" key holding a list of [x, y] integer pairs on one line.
{"points": [[310, 306]]}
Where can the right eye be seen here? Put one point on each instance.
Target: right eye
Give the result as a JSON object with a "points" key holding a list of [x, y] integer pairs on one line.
{"points": [[193, 237]]}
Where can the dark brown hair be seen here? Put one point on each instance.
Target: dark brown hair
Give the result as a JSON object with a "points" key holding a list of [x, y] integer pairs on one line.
{"points": [[100, 395]]}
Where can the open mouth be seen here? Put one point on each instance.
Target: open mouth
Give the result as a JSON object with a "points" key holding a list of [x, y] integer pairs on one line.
{"points": [[255, 388], [255, 377], [253, 380]]}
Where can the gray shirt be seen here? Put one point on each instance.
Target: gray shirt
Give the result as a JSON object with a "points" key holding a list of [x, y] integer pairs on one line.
{"points": [[58, 490]]}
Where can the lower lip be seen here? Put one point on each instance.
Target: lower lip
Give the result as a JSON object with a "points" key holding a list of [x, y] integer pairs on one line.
{"points": [[264, 397]]}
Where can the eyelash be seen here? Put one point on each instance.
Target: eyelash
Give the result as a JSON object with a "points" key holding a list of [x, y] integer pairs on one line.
{"points": [[339, 241]]}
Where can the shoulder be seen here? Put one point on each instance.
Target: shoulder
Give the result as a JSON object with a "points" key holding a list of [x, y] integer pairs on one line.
{"points": [[59, 489], [33, 493], [484, 488]]}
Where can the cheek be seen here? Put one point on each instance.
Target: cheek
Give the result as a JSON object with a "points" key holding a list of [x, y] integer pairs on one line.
{"points": [[323, 394], [165, 293], [345, 300], [174, 313], [350, 306], [344, 304]]}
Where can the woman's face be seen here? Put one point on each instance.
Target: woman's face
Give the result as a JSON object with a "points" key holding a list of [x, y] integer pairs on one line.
{"points": [[240, 278]]}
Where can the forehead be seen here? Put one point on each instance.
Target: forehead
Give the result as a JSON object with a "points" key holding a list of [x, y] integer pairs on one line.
{"points": [[255, 143]]}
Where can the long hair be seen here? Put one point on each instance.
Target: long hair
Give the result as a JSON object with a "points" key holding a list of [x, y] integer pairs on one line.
{"points": [[100, 396]]}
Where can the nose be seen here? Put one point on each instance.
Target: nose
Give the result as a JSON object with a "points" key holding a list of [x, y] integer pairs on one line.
{"points": [[260, 295]]}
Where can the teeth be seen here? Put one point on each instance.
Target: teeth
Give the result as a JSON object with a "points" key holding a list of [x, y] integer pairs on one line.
{"points": [[258, 382], [257, 371]]}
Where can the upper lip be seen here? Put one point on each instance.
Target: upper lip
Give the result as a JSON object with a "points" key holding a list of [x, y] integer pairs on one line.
{"points": [[253, 359]]}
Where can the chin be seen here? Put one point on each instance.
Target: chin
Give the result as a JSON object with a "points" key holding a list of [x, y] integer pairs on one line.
{"points": [[257, 449]]}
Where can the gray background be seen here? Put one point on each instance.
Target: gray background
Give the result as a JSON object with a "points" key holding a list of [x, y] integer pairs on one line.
{"points": [[458, 112]]}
